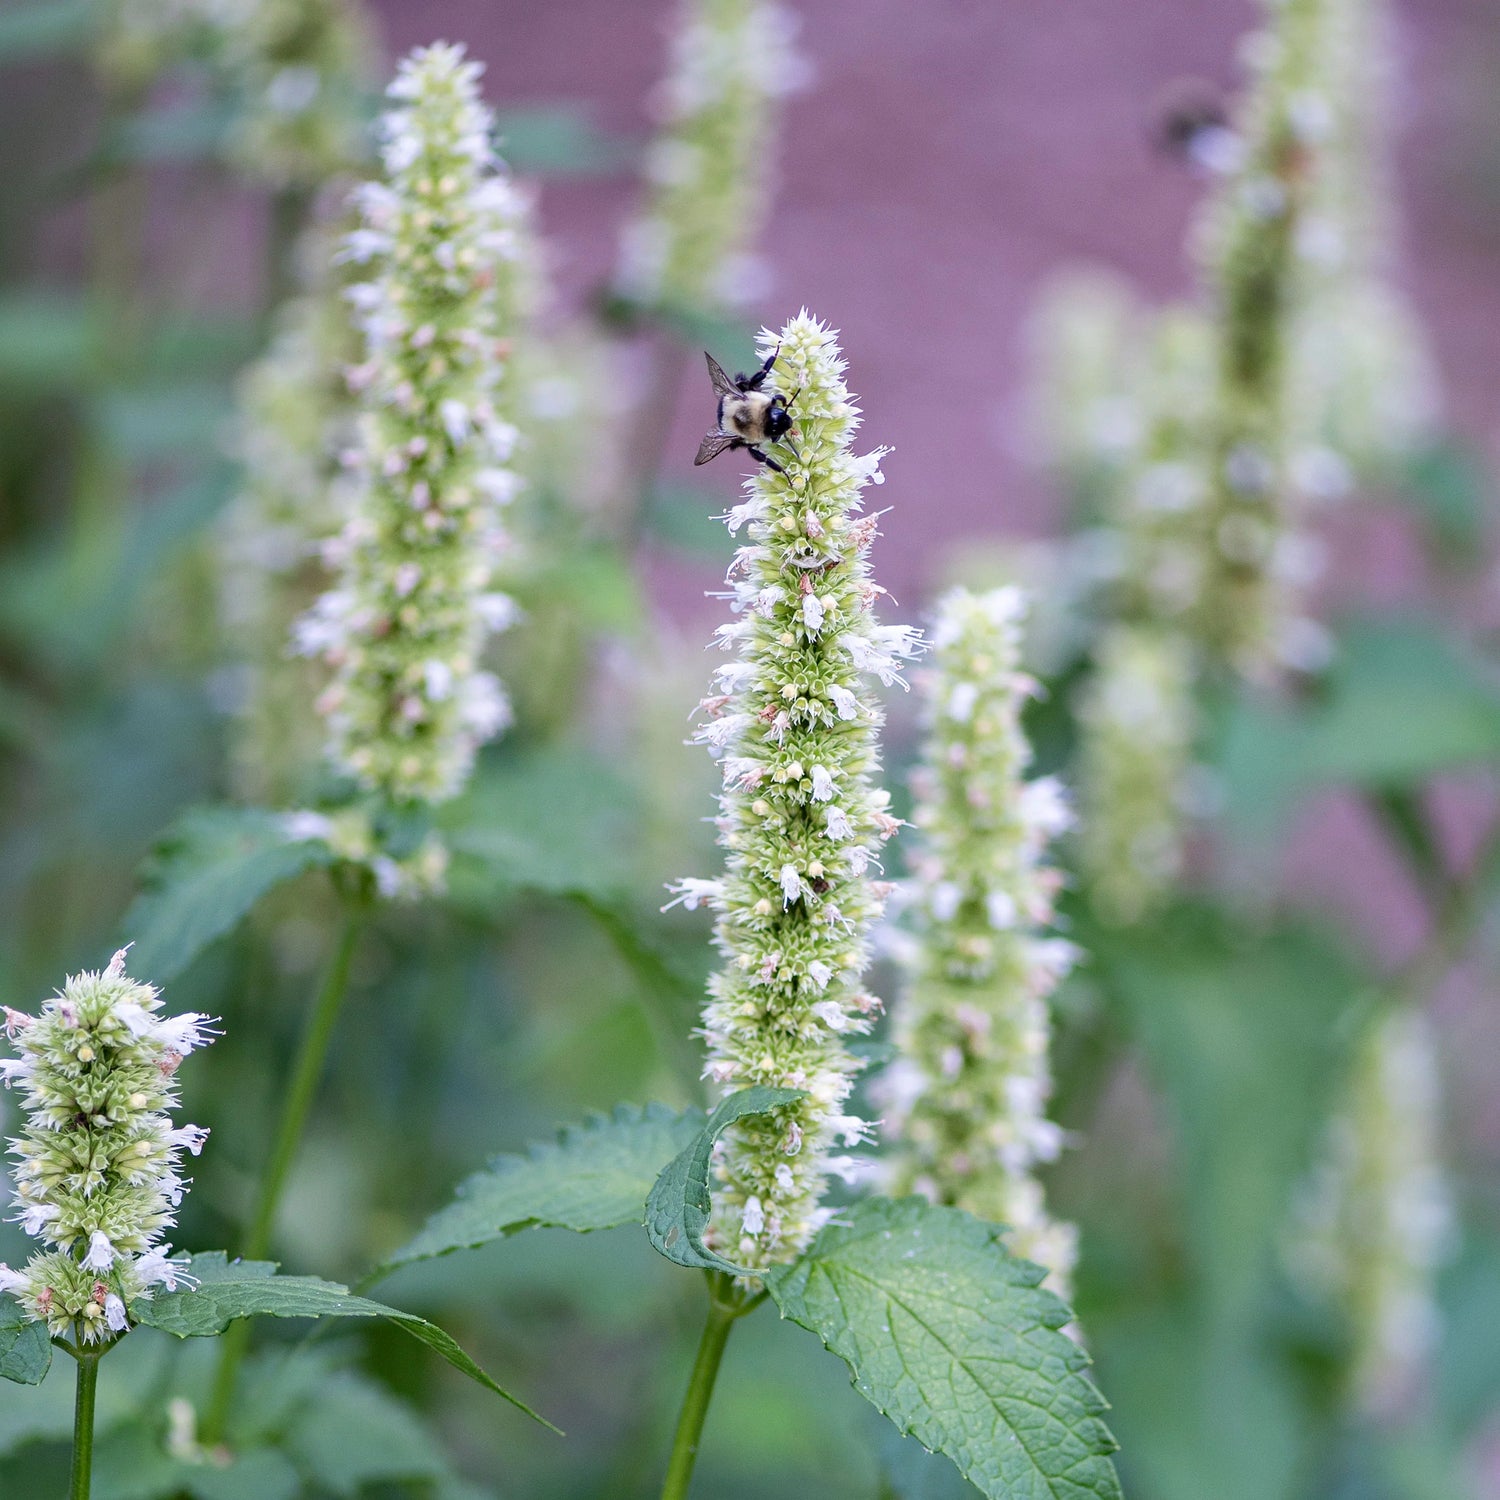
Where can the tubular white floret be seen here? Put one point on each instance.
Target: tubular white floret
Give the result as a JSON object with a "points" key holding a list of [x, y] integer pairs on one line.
{"points": [[800, 817], [97, 1177]]}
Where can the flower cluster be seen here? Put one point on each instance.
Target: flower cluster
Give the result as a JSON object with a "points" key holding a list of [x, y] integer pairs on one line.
{"points": [[965, 1101], [1138, 723], [414, 600], [800, 817], [98, 1179], [1376, 1216], [709, 168], [351, 833], [1259, 246]]}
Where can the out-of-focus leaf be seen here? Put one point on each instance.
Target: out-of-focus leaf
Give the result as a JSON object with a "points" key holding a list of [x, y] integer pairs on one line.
{"points": [[25, 1349], [908, 1471], [1446, 484], [132, 1464], [593, 1176], [1200, 1413], [551, 820], [956, 1343], [1246, 1034], [46, 341], [157, 422], [351, 1433], [227, 1290], [677, 1211], [688, 518], [208, 872], [1406, 699], [558, 141], [190, 131], [36, 29], [1467, 1366]]}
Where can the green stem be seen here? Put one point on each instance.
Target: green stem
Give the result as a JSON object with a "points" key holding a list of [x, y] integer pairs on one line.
{"points": [[725, 1308], [83, 1426], [307, 1072]]}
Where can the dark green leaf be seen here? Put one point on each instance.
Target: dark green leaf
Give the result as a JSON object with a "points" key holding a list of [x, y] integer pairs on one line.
{"points": [[45, 341], [352, 1433], [956, 1343], [594, 1176], [25, 1349], [207, 874], [228, 1290], [1246, 1034], [677, 1211], [554, 821]]}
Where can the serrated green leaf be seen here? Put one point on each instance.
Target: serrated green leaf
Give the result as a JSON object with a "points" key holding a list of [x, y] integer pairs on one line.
{"points": [[228, 1290], [956, 1343], [207, 874], [677, 1211], [594, 1176], [25, 1349]]}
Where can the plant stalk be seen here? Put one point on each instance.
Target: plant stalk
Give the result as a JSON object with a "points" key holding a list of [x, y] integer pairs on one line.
{"points": [[83, 1425], [307, 1072], [726, 1306]]}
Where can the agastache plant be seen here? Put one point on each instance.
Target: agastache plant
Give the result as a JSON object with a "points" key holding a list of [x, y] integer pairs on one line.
{"points": [[1257, 246], [709, 168], [965, 1100], [415, 596], [98, 1179], [801, 818]]}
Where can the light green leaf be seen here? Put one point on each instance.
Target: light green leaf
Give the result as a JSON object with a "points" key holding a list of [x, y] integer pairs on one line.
{"points": [[1406, 699], [25, 1349], [594, 1176], [956, 1343], [207, 874], [677, 1211], [228, 1290], [46, 341]]}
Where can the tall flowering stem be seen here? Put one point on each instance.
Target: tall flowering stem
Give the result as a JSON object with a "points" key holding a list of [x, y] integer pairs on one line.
{"points": [[800, 817], [1257, 246], [965, 1100], [98, 1177], [709, 168], [414, 600]]}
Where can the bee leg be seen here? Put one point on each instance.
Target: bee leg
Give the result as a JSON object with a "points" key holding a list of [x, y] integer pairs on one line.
{"points": [[763, 458], [755, 381]]}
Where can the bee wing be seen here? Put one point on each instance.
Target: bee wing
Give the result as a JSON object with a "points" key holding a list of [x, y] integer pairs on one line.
{"points": [[723, 385], [713, 444]]}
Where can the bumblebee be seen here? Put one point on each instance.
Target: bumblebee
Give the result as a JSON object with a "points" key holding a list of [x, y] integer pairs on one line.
{"points": [[749, 416]]}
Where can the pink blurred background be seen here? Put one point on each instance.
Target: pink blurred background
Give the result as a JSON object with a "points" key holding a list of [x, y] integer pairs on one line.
{"points": [[949, 156]]}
